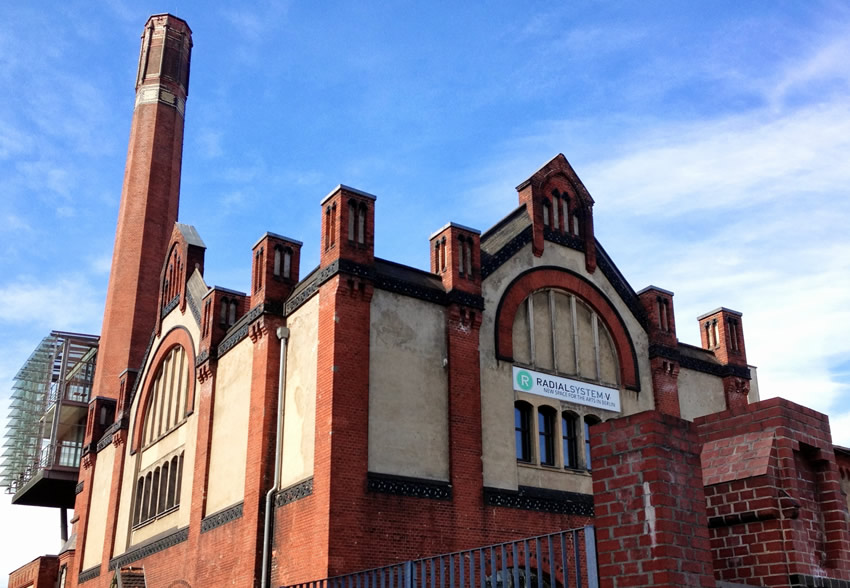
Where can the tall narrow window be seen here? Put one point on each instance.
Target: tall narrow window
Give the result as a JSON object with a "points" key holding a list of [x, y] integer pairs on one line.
{"points": [[576, 225], [222, 318], [140, 491], [716, 331], [163, 489], [666, 316], [352, 219], [556, 217], [327, 228], [570, 440], [522, 428], [231, 316], [287, 263], [468, 246], [546, 435], [707, 328], [460, 253], [361, 224], [154, 494], [172, 498], [437, 260], [547, 212], [443, 253], [146, 499], [333, 225], [588, 421], [276, 269]]}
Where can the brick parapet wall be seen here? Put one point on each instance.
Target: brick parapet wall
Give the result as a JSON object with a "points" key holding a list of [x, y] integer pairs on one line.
{"points": [[788, 519], [650, 505], [39, 573]]}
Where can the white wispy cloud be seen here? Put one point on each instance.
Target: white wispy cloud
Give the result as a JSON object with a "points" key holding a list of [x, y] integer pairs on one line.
{"points": [[32, 301]]}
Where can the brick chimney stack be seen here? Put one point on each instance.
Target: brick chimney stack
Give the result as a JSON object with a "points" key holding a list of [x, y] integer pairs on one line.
{"points": [[149, 199]]}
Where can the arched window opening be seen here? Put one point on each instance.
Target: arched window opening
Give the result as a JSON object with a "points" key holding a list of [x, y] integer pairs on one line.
{"points": [[558, 332], [154, 494], [546, 435], [327, 228], [222, 318], [522, 428], [468, 246], [333, 225], [276, 267], [172, 498], [715, 330], [576, 224], [166, 406], [361, 225], [569, 435], [547, 212], [137, 511], [556, 205], [146, 500], [163, 489], [352, 219], [443, 253], [287, 263], [588, 421], [231, 314]]}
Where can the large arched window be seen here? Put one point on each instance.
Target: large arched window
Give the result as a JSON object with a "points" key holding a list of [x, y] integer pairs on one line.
{"points": [[558, 332], [167, 402]]}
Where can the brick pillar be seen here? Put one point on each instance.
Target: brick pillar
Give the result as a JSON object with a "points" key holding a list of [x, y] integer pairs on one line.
{"points": [[342, 417], [649, 500], [464, 378], [658, 305], [722, 332], [149, 200], [207, 371]]}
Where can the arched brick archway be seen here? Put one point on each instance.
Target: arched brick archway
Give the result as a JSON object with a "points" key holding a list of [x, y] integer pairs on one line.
{"points": [[564, 279]]}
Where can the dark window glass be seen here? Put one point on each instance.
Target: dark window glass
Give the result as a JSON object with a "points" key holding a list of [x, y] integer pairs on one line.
{"points": [[588, 420], [570, 440], [522, 428], [546, 433]]}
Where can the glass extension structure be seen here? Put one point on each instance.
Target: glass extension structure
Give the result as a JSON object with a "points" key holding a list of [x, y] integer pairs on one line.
{"points": [[47, 418]]}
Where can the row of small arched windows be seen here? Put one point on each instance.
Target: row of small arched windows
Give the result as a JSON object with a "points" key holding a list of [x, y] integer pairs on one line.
{"points": [[557, 216], [172, 278], [158, 491], [573, 451]]}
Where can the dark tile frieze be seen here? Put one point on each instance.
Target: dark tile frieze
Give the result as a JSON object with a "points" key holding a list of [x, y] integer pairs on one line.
{"points": [[295, 492], [540, 499], [806, 581], [79, 487], [89, 574], [149, 549], [172, 304], [699, 365], [565, 239], [193, 306], [621, 286], [490, 263], [406, 288], [221, 517], [404, 486]]}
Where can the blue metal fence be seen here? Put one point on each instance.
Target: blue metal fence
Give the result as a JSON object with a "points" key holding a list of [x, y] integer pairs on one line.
{"points": [[558, 560]]}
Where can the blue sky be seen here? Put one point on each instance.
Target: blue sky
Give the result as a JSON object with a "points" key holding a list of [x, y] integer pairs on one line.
{"points": [[714, 137]]}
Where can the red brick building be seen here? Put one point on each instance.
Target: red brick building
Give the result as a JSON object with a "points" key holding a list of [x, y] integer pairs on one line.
{"points": [[367, 413]]}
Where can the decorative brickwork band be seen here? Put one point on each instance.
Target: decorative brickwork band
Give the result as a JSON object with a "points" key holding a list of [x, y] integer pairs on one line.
{"points": [[89, 574], [404, 486], [294, 492], [142, 552], [221, 517], [541, 499]]}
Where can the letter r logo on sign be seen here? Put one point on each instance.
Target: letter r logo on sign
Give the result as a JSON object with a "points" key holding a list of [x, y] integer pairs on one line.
{"points": [[524, 380]]}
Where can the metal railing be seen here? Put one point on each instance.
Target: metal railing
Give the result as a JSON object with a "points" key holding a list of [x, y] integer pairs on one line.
{"points": [[557, 560]]}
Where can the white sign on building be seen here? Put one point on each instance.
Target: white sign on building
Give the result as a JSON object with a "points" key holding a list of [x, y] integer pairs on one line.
{"points": [[526, 380]]}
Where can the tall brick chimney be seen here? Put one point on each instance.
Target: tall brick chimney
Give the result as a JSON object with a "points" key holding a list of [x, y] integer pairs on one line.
{"points": [[149, 200]]}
